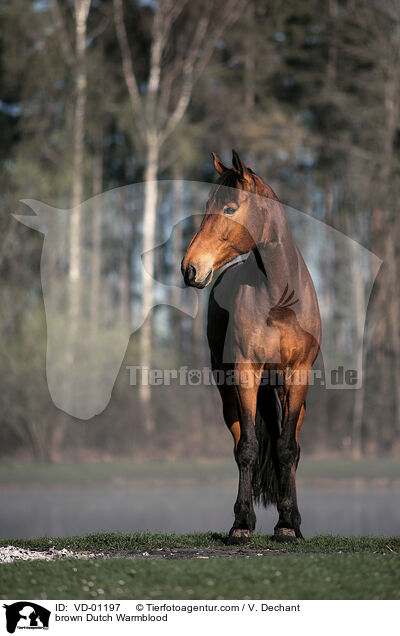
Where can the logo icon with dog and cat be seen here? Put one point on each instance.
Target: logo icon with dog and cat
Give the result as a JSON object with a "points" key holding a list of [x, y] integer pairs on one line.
{"points": [[26, 615]]}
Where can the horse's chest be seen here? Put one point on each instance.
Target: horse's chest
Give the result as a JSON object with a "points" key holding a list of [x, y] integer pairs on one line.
{"points": [[237, 328], [250, 338]]}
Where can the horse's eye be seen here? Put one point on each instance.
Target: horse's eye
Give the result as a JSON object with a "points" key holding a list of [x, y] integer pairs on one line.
{"points": [[229, 210]]}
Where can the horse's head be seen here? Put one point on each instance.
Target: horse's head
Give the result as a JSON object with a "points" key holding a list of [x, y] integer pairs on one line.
{"points": [[232, 224]]}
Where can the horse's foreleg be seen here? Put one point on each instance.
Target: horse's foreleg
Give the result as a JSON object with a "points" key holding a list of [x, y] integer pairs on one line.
{"points": [[230, 411], [288, 452], [246, 451]]}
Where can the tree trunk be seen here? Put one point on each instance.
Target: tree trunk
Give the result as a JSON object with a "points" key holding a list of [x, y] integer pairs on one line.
{"points": [[149, 224], [250, 61], [393, 308], [125, 309], [96, 231], [357, 421], [177, 254], [81, 15]]}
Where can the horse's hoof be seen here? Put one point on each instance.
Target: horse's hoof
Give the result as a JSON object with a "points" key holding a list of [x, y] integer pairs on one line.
{"points": [[285, 535], [238, 536]]}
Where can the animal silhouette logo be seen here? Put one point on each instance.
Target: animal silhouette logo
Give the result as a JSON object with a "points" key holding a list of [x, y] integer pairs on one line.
{"points": [[82, 363], [26, 615]]}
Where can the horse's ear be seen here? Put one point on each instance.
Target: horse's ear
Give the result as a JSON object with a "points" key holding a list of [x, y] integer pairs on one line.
{"points": [[45, 215], [239, 166], [218, 164]]}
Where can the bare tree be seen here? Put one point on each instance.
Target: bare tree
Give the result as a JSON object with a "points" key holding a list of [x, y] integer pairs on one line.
{"points": [[174, 67], [75, 57]]}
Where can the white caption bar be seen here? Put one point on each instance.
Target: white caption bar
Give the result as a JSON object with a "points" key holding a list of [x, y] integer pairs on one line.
{"points": [[176, 617]]}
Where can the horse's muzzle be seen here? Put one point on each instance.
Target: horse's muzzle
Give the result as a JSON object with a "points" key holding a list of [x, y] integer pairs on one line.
{"points": [[189, 276]]}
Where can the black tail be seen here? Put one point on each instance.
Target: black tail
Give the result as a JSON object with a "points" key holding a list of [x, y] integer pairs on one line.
{"points": [[268, 424]]}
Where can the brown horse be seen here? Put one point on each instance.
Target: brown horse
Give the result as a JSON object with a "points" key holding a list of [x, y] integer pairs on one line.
{"points": [[263, 324]]}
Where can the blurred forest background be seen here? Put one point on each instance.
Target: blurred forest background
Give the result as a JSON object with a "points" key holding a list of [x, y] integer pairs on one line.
{"points": [[97, 94]]}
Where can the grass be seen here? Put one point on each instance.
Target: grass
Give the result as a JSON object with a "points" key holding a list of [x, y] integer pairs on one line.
{"points": [[149, 541], [345, 468], [298, 576], [324, 567], [43, 473], [200, 471]]}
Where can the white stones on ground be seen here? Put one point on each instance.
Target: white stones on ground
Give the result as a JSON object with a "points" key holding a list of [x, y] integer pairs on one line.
{"points": [[11, 553]]}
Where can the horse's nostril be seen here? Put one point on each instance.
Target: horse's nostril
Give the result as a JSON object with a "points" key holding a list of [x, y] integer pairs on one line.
{"points": [[190, 274]]}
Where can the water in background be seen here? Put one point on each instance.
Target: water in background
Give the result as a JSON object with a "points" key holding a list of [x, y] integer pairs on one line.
{"points": [[351, 508]]}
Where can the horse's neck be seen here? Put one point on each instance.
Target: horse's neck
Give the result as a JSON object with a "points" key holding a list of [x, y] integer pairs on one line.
{"points": [[279, 259]]}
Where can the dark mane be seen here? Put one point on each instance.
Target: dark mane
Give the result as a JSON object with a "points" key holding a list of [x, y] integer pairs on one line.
{"points": [[232, 179]]}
